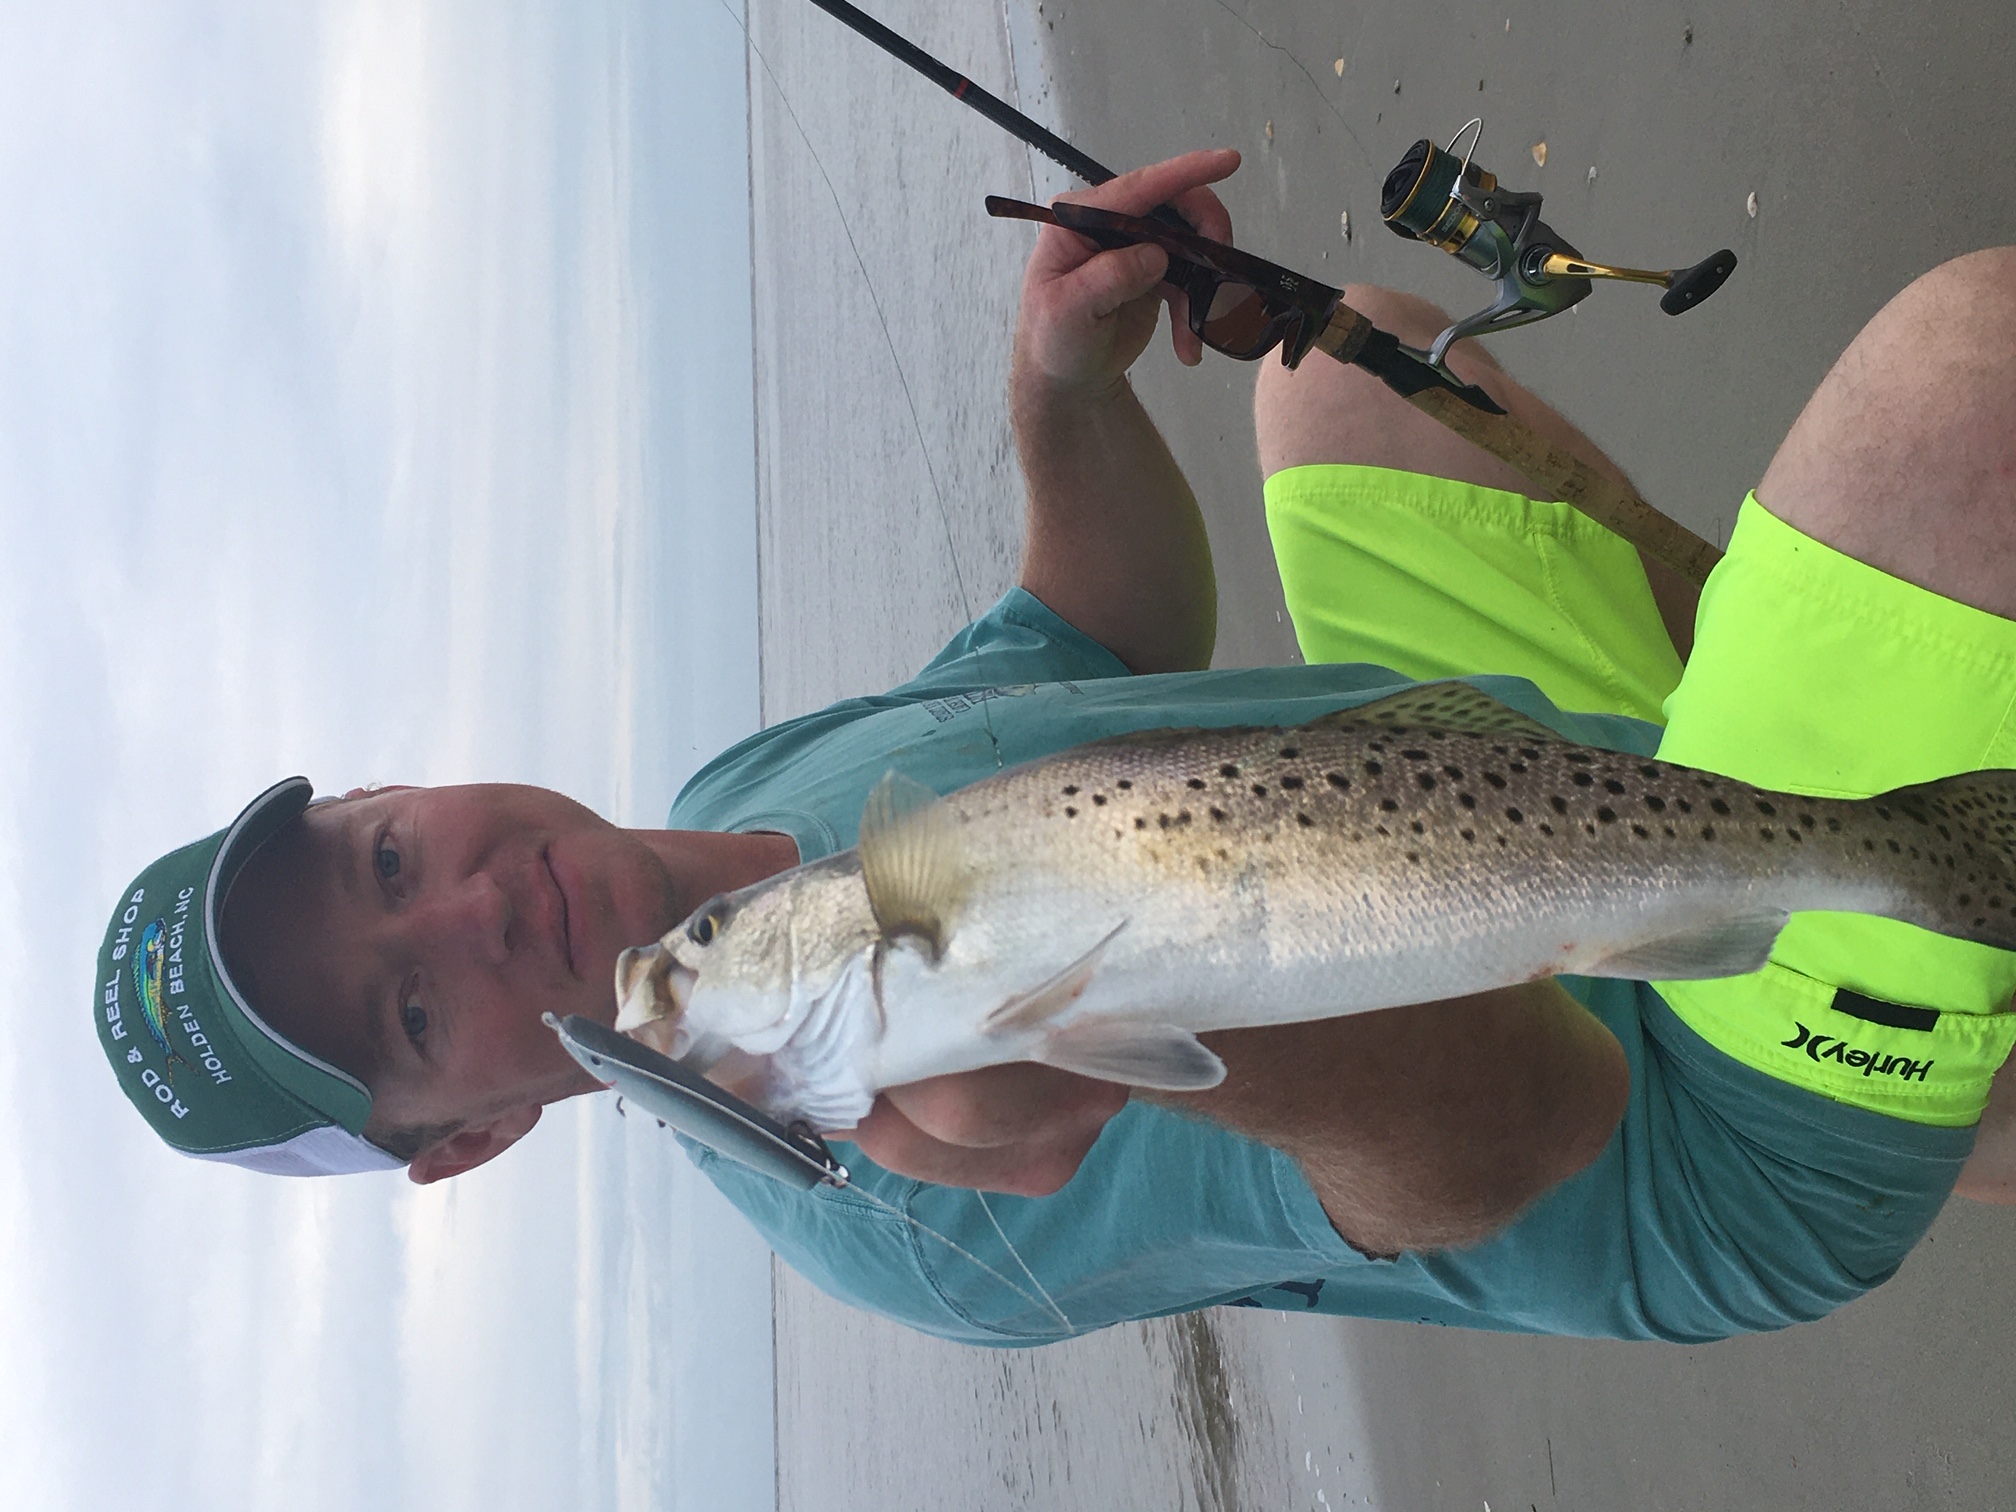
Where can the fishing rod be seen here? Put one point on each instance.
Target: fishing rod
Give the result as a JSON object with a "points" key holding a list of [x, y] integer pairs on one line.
{"points": [[1478, 232]]}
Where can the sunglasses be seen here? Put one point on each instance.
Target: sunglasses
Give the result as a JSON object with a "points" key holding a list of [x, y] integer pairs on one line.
{"points": [[1238, 304]]}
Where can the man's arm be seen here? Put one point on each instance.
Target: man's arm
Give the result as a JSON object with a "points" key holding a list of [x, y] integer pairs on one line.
{"points": [[1115, 542], [1417, 1127]]}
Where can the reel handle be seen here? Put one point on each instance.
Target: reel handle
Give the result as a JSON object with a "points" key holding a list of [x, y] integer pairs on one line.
{"points": [[1689, 286]]}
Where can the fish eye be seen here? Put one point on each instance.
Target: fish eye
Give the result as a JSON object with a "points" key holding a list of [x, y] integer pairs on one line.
{"points": [[386, 860], [412, 1017], [707, 923]]}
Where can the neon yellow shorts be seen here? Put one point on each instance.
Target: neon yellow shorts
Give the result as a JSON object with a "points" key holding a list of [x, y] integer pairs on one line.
{"points": [[1811, 672]]}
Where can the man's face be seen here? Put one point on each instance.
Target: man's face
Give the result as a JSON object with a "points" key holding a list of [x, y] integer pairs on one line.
{"points": [[414, 937]]}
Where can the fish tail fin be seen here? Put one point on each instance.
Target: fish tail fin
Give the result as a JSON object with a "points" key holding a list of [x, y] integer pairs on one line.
{"points": [[1963, 880]]}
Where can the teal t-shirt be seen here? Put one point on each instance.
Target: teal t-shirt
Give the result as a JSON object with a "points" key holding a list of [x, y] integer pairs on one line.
{"points": [[1726, 1202]]}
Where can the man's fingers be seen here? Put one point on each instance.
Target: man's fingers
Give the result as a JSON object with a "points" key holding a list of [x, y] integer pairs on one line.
{"points": [[1112, 279], [1035, 1168], [1138, 192], [1000, 1105]]}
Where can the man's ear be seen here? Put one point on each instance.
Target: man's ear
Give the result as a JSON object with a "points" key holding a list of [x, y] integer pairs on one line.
{"points": [[470, 1147]]}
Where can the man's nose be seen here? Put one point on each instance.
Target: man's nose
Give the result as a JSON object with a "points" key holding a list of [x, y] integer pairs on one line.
{"points": [[472, 915]]}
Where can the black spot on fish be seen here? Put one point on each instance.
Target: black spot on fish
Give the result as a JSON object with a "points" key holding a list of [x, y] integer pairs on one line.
{"points": [[1766, 810], [1304, 820], [1140, 824], [1515, 816], [1806, 822], [1649, 769], [1337, 780], [1099, 800], [1466, 800], [1373, 769], [1218, 814], [1416, 856], [1289, 753], [1388, 805], [1612, 785], [1608, 816], [1655, 803], [1530, 753], [1468, 834], [1495, 780], [1196, 783], [1766, 831], [1291, 784], [1070, 812], [1546, 829], [1868, 845], [1228, 770], [1580, 758], [1895, 848], [1415, 755], [1416, 826], [1683, 805], [1718, 805], [1259, 790], [1558, 803], [1454, 774], [1707, 832], [1182, 816], [1519, 767], [1426, 779], [1163, 820], [1072, 791], [1582, 779], [1672, 833], [1125, 784], [1881, 812]]}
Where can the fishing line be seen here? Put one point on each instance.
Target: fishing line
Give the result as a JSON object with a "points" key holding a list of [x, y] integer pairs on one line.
{"points": [[987, 1208], [1070, 1329], [896, 360]]}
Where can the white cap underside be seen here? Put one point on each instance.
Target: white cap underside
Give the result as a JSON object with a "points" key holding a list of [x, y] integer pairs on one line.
{"points": [[327, 1151]]}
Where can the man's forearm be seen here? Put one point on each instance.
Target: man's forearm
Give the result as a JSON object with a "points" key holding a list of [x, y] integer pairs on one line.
{"points": [[1116, 543], [1428, 1126]]}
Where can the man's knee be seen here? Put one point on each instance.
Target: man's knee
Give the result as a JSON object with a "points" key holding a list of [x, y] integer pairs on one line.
{"points": [[1325, 411]]}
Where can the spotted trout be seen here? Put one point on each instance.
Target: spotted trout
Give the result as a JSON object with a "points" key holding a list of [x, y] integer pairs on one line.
{"points": [[1095, 910]]}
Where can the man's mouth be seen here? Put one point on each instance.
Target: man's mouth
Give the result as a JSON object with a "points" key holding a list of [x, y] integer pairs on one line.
{"points": [[564, 919]]}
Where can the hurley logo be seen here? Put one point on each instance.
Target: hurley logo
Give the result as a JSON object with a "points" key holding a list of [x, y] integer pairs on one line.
{"points": [[1825, 1047]]}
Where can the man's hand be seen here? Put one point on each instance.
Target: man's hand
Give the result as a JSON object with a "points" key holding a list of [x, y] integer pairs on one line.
{"points": [[1021, 1129], [1087, 314], [1116, 544]]}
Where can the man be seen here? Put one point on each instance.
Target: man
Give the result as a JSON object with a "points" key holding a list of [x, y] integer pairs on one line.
{"points": [[360, 984]]}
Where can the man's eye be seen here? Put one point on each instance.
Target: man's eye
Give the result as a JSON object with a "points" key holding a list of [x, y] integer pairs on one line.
{"points": [[413, 1018], [387, 862]]}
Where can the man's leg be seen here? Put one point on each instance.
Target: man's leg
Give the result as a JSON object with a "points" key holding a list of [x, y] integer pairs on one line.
{"points": [[1905, 458], [1327, 412]]}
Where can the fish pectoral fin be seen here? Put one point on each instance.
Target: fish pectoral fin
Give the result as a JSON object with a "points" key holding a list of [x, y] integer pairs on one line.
{"points": [[1455, 706], [1159, 1056], [1732, 947], [1045, 1001], [911, 862]]}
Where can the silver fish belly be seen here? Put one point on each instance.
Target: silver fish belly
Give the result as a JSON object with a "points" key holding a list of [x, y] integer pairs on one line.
{"points": [[1097, 909]]}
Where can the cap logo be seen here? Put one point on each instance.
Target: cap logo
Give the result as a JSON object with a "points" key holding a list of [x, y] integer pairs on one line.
{"points": [[150, 963]]}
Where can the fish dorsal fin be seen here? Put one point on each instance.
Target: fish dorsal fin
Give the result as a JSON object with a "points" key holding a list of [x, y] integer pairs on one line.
{"points": [[1136, 1054], [911, 862], [1025, 1010], [1455, 706], [1729, 947]]}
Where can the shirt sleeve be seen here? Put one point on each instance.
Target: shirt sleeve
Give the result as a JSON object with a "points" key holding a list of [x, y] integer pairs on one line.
{"points": [[1019, 641], [1168, 1214]]}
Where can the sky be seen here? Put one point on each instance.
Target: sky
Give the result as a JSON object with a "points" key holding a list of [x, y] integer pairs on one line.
{"points": [[374, 405]]}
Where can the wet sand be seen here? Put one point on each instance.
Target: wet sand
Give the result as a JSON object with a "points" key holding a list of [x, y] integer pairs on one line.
{"points": [[889, 506]]}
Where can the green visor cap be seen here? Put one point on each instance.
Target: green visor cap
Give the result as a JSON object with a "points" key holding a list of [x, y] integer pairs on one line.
{"points": [[201, 1066]]}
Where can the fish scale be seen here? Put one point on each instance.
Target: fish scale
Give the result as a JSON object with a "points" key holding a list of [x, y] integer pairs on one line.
{"points": [[1099, 908]]}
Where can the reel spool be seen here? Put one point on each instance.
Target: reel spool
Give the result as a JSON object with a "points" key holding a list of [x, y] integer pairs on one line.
{"points": [[1431, 196]]}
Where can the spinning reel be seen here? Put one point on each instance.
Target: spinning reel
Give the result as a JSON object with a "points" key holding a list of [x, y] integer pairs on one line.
{"points": [[1432, 197]]}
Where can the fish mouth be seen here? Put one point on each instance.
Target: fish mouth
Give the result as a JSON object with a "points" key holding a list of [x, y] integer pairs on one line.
{"points": [[652, 989]]}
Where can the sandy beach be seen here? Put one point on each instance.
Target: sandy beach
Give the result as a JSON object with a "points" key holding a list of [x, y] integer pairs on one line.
{"points": [[1838, 149]]}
